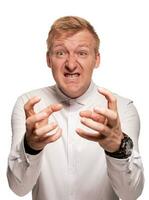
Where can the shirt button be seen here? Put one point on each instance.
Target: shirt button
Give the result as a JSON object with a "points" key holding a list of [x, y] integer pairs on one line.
{"points": [[19, 160]]}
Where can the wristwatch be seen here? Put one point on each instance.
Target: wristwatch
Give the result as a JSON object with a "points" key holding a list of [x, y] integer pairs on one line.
{"points": [[125, 149]]}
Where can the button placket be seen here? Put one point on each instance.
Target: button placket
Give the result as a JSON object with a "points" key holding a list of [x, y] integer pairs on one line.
{"points": [[72, 160]]}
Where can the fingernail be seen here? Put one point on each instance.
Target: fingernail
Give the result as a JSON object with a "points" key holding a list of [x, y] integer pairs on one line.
{"points": [[77, 129], [100, 89], [60, 105], [97, 108], [82, 119], [54, 124], [37, 98], [44, 114]]}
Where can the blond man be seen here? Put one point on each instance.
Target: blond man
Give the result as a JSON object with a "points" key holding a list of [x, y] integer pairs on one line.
{"points": [[74, 140]]}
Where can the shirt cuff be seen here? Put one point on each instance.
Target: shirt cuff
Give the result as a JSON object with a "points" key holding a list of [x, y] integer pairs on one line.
{"points": [[29, 157], [20, 161], [119, 165]]}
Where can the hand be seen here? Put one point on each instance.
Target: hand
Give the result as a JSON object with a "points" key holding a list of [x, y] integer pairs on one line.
{"points": [[37, 127], [105, 122]]}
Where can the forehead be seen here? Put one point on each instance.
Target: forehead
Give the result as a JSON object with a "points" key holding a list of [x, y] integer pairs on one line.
{"points": [[82, 38]]}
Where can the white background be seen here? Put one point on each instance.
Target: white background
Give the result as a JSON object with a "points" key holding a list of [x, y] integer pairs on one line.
{"points": [[123, 28]]}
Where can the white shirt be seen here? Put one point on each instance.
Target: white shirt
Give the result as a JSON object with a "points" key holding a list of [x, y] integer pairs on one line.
{"points": [[73, 168]]}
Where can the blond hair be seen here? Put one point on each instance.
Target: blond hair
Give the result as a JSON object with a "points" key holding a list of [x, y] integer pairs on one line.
{"points": [[68, 26]]}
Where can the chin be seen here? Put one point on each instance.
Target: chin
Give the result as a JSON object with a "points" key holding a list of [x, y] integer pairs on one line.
{"points": [[73, 93], [73, 90]]}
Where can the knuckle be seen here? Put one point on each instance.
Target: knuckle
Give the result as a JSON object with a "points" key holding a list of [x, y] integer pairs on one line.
{"points": [[102, 128], [26, 105], [97, 117], [105, 111], [48, 110], [36, 117], [114, 100], [28, 122], [52, 139], [36, 125], [115, 116]]}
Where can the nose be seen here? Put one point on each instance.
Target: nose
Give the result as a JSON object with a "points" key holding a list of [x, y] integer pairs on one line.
{"points": [[71, 63]]}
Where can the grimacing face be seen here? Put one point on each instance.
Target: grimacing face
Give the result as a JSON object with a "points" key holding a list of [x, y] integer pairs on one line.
{"points": [[72, 61]]}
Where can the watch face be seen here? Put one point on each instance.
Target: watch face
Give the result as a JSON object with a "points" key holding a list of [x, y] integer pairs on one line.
{"points": [[125, 149], [128, 146]]}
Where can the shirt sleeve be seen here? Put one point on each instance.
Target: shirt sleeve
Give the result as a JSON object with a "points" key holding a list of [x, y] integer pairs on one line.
{"points": [[23, 169], [126, 175]]}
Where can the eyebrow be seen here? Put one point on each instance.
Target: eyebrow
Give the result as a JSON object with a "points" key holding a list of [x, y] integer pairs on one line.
{"points": [[62, 44], [57, 45], [83, 45]]}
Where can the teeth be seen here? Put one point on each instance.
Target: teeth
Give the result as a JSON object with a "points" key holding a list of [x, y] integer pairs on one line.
{"points": [[72, 75]]}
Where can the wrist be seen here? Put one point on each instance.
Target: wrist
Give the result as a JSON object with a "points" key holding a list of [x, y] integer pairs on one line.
{"points": [[125, 149], [28, 149]]}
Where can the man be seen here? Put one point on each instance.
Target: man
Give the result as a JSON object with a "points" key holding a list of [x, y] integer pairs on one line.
{"points": [[75, 140]]}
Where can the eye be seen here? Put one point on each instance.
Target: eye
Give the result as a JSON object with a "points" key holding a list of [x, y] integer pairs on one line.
{"points": [[60, 53], [83, 53]]}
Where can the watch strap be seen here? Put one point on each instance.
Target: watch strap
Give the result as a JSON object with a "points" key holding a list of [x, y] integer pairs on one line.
{"points": [[28, 149], [125, 149]]}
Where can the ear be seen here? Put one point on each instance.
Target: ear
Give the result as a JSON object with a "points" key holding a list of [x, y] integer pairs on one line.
{"points": [[48, 59], [97, 63]]}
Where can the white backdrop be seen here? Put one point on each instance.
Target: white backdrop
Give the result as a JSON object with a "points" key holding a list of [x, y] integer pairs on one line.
{"points": [[123, 28]]}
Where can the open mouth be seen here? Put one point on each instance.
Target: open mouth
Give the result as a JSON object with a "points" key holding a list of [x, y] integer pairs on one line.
{"points": [[71, 75]]}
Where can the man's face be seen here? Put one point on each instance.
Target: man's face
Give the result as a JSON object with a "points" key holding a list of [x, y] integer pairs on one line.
{"points": [[72, 60]]}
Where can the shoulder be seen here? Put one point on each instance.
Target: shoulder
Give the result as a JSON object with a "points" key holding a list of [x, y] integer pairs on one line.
{"points": [[126, 108], [122, 101], [124, 104], [41, 92], [47, 95]]}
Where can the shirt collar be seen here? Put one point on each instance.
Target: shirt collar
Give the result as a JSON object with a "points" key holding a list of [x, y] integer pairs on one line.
{"points": [[83, 100]]}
